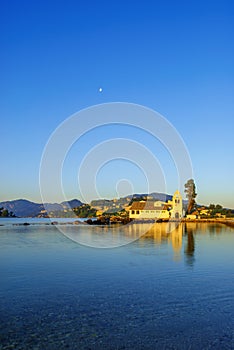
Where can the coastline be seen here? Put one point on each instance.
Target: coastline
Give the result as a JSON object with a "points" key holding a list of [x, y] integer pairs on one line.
{"points": [[60, 221], [227, 221]]}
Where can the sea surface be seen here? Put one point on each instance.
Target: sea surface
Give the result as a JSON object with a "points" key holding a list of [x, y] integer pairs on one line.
{"points": [[170, 289]]}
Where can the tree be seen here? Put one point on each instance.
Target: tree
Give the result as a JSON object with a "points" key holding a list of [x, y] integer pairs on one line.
{"points": [[190, 190], [5, 213], [85, 211]]}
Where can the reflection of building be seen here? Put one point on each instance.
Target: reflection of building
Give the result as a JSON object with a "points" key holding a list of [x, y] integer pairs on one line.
{"points": [[175, 237], [177, 241], [161, 233], [157, 209]]}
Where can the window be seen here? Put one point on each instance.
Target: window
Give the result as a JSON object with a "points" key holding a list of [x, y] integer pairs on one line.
{"points": [[133, 211], [137, 212]]}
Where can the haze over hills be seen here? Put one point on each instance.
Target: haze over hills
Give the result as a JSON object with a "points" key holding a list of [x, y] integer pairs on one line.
{"points": [[26, 208]]}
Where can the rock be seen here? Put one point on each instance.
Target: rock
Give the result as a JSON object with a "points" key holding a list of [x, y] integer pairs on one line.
{"points": [[54, 223]]}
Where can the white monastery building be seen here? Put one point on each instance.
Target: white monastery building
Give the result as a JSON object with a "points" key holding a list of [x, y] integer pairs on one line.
{"points": [[172, 209]]}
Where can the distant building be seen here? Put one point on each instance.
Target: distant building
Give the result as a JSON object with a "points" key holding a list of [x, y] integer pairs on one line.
{"points": [[194, 215], [158, 209], [191, 216], [205, 212]]}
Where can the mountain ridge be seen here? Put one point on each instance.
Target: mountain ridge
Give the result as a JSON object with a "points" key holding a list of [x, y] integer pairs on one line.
{"points": [[25, 208]]}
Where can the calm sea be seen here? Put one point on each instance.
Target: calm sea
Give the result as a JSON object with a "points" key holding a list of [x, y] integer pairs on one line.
{"points": [[166, 290]]}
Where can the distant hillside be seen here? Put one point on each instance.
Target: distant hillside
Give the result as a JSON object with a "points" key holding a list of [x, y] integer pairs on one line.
{"points": [[25, 208], [73, 203], [22, 207], [156, 196], [113, 205]]}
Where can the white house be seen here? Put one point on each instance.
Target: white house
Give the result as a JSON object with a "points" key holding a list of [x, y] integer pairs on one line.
{"points": [[157, 209]]}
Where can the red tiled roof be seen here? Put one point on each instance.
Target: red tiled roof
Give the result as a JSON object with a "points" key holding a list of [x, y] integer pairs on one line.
{"points": [[149, 205]]}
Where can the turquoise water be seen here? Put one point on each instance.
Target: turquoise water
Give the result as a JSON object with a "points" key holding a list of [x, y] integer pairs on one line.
{"points": [[164, 291]]}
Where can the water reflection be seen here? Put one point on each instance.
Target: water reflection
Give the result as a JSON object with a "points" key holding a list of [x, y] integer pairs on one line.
{"points": [[190, 245], [180, 239], [171, 234], [143, 234], [214, 229], [57, 294], [166, 233], [176, 241]]}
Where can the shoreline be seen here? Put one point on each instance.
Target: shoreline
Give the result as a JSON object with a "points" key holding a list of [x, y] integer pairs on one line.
{"points": [[228, 221]]}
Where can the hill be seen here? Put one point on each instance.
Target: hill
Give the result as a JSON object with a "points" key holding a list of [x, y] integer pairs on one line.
{"points": [[113, 205], [25, 208]]}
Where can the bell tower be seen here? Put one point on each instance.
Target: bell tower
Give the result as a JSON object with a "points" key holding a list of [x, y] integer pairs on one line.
{"points": [[177, 206]]}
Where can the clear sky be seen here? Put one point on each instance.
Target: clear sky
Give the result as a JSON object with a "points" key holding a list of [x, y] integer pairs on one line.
{"points": [[175, 57]]}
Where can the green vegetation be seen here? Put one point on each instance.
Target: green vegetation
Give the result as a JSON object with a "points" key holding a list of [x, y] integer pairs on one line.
{"points": [[190, 190], [60, 214], [120, 213], [85, 211], [100, 203], [138, 199], [5, 214], [217, 209]]}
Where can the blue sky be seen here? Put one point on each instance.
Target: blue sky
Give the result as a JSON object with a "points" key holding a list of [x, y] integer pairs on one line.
{"points": [[175, 57]]}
